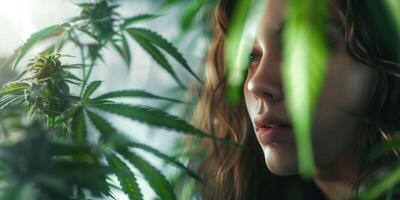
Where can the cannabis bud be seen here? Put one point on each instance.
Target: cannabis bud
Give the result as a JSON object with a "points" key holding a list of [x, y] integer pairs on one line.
{"points": [[49, 92], [101, 16]]}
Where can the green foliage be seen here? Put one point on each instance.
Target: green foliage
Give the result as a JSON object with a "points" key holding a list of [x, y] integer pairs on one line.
{"points": [[34, 165], [158, 57], [236, 49], [239, 44], [383, 181], [108, 134], [394, 9], [193, 8], [102, 17], [14, 88], [90, 89], [35, 38], [159, 41], [153, 117], [138, 18], [123, 49], [167, 159], [305, 60], [126, 177], [132, 93], [157, 181], [193, 15], [79, 129]]}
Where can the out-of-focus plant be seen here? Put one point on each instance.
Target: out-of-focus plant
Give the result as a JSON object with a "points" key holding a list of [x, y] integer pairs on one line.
{"points": [[305, 60], [35, 166], [239, 44], [65, 162]]}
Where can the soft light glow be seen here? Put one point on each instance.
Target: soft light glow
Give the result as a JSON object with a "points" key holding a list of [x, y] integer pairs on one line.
{"points": [[18, 13]]}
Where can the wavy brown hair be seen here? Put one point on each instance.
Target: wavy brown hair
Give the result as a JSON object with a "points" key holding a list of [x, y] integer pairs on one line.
{"points": [[234, 173]]}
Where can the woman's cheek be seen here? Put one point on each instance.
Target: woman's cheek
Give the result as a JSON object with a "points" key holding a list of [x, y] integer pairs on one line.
{"points": [[348, 84], [345, 93]]}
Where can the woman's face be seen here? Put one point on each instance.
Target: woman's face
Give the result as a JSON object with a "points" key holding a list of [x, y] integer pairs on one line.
{"points": [[347, 87]]}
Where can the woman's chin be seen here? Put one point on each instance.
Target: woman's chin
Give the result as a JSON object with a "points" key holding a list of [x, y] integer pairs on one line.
{"points": [[281, 161]]}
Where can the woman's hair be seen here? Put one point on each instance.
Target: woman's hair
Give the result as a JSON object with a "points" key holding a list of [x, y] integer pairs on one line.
{"points": [[234, 173]]}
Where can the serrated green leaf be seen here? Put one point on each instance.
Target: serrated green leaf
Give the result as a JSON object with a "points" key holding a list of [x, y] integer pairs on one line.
{"points": [[304, 66], [126, 50], [66, 115], [90, 89], [79, 131], [156, 39], [138, 18], [107, 132], [153, 117], [166, 158], [13, 88], [123, 50], [35, 38], [70, 76], [157, 56], [73, 66], [126, 177], [132, 93], [90, 34], [31, 111], [5, 102], [154, 177]]}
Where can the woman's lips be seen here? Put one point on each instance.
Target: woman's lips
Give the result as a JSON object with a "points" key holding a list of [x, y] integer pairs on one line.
{"points": [[278, 134]]}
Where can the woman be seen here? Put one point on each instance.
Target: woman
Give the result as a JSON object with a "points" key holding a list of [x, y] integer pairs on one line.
{"points": [[358, 109]]}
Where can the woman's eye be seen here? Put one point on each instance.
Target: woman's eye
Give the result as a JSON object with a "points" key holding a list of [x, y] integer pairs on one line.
{"points": [[254, 57]]}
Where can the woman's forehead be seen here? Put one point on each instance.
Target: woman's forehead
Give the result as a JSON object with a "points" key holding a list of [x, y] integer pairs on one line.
{"points": [[273, 18]]}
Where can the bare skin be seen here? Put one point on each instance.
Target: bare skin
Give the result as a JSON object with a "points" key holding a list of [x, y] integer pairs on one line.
{"points": [[335, 130]]}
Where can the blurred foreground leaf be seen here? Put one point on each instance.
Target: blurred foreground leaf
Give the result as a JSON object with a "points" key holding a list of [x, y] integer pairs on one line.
{"points": [[381, 182], [305, 60], [246, 17]]}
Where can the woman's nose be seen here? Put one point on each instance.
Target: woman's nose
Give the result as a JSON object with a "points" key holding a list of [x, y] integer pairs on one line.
{"points": [[265, 82]]}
